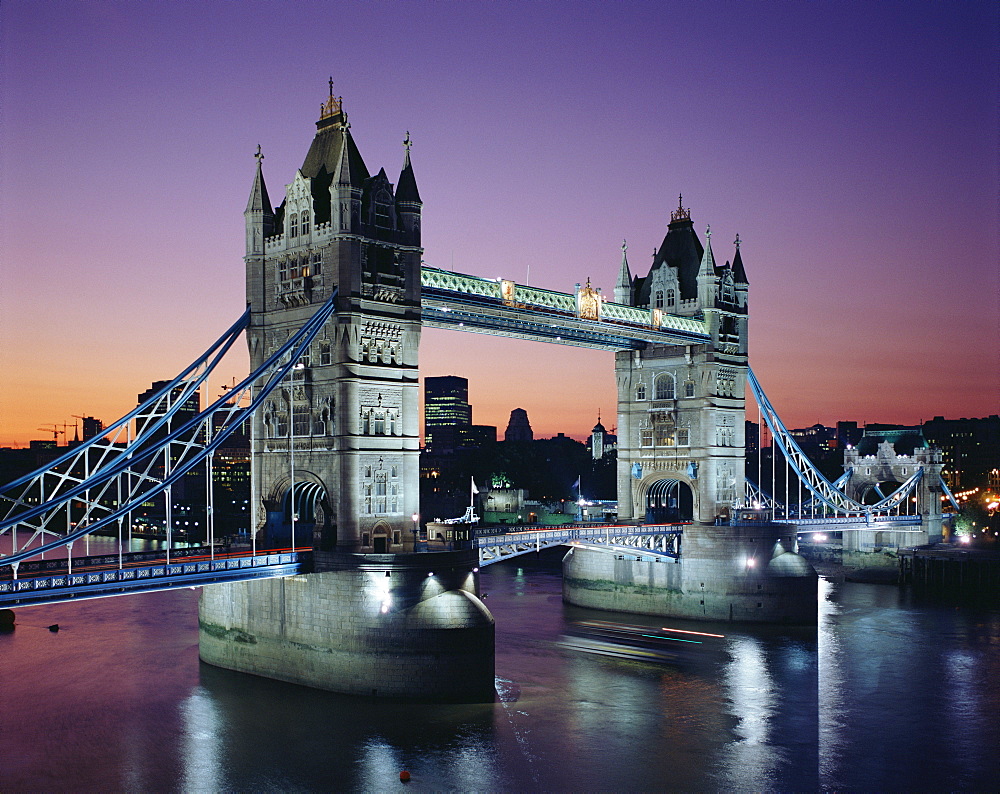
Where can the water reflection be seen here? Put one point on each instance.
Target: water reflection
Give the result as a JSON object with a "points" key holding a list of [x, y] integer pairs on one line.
{"points": [[203, 732], [885, 694]]}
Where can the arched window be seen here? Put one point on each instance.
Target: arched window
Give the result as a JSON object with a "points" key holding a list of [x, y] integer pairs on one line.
{"points": [[671, 298], [304, 228], [689, 388], [293, 225], [659, 299], [378, 428], [665, 387], [640, 391]]}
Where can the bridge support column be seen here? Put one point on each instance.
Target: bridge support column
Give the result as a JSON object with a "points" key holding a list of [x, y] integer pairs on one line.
{"points": [[746, 573], [385, 625]]}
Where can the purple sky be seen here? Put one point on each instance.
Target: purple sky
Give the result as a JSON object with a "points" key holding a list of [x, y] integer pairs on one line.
{"points": [[853, 146]]}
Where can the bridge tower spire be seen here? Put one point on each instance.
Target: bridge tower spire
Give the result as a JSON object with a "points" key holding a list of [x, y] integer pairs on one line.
{"points": [[623, 287]]}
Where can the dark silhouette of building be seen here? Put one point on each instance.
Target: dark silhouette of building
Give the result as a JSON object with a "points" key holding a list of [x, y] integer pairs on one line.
{"points": [[518, 428]]}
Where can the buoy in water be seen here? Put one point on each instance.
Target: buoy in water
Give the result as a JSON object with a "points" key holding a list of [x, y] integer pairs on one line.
{"points": [[54, 628], [404, 776]]}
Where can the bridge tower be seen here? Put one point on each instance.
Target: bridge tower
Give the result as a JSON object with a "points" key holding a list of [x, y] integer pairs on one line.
{"points": [[681, 456], [681, 407], [374, 617], [351, 411]]}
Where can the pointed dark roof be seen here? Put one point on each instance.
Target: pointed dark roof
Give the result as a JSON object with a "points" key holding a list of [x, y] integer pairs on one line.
{"points": [[259, 199], [680, 249], [739, 274], [406, 188]]}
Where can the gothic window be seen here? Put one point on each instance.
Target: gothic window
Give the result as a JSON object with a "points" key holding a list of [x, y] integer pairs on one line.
{"points": [[382, 215], [368, 510], [665, 387], [283, 270], [319, 425], [293, 225], [281, 426], [324, 353], [659, 299], [368, 471], [378, 428], [317, 264], [366, 425], [302, 423], [671, 298], [640, 391], [395, 471], [380, 487], [305, 222], [683, 437], [646, 437], [689, 388]]}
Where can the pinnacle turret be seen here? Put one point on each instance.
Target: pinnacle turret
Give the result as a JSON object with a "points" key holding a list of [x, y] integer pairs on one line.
{"points": [[739, 273], [623, 287]]}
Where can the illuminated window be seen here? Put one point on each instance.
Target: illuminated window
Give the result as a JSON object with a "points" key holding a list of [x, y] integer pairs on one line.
{"points": [[664, 435]]}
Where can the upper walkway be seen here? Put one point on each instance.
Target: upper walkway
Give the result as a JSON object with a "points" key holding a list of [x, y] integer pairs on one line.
{"points": [[502, 308]]}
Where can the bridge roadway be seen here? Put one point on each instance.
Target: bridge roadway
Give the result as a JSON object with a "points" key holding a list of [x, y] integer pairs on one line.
{"points": [[52, 581], [648, 540], [55, 580]]}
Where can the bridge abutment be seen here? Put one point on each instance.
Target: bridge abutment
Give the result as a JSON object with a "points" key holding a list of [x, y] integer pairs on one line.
{"points": [[746, 573], [386, 625]]}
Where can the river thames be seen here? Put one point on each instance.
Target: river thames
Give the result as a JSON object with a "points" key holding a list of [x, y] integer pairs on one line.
{"points": [[888, 693]]}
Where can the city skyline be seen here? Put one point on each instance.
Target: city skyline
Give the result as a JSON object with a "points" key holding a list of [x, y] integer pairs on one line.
{"points": [[861, 178]]}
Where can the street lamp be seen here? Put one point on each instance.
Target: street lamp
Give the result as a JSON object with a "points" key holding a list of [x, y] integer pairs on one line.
{"points": [[416, 526]]}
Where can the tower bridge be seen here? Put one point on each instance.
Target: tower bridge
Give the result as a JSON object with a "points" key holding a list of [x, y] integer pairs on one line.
{"points": [[337, 296]]}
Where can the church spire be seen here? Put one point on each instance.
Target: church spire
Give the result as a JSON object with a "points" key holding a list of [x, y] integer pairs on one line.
{"points": [[623, 287]]}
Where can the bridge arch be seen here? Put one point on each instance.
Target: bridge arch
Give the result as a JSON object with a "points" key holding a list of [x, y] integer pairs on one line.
{"points": [[315, 520], [666, 497]]}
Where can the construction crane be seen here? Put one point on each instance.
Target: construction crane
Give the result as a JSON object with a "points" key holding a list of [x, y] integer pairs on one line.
{"points": [[55, 431]]}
